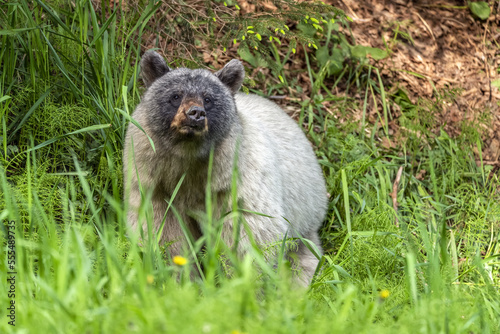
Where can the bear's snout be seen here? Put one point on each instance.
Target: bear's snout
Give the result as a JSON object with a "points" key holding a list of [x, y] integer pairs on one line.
{"points": [[196, 114], [195, 120], [191, 118]]}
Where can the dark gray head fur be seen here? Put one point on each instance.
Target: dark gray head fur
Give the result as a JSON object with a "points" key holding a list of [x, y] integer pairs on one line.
{"points": [[169, 90]]}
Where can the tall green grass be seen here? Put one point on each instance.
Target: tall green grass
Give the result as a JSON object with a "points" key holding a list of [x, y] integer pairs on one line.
{"points": [[68, 82]]}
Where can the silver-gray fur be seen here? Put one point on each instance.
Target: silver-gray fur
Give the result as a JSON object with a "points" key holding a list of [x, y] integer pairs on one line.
{"points": [[278, 170]]}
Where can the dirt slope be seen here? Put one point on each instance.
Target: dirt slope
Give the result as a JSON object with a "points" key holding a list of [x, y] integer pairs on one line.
{"points": [[448, 48]]}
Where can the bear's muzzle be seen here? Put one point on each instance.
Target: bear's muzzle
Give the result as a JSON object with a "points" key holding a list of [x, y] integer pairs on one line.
{"points": [[191, 118]]}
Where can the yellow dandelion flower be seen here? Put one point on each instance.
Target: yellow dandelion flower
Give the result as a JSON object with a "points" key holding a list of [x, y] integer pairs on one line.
{"points": [[235, 332], [384, 294], [179, 260], [150, 279]]}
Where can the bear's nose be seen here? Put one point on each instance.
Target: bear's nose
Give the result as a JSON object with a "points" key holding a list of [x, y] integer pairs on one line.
{"points": [[196, 113]]}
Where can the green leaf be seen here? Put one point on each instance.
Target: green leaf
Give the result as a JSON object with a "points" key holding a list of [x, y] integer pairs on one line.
{"points": [[318, 27], [30, 112], [496, 83], [4, 98], [62, 68], [322, 55], [336, 62], [249, 57], [52, 140], [129, 118], [12, 32], [56, 18], [480, 9], [103, 29], [360, 51]]}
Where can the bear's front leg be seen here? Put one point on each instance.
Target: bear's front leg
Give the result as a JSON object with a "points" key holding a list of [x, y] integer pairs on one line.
{"points": [[268, 234]]}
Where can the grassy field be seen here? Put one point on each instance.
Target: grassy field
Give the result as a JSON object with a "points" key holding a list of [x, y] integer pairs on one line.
{"points": [[68, 83]]}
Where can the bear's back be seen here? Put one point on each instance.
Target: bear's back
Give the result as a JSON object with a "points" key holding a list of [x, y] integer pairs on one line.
{"points": [[283, 154]]}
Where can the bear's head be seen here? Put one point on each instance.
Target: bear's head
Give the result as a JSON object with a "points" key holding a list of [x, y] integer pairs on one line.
{"points": [[189, 107]]}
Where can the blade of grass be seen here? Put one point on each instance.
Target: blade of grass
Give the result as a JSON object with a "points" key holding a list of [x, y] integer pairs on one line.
{"points": [[87, 129]]}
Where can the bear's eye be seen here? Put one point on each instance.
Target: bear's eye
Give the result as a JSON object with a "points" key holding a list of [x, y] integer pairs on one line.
{"points": [[207, 100], [175, 100]]}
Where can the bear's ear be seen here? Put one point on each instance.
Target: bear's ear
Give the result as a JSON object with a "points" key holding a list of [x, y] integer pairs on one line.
{"points": [[232, 75], [153, 66]]}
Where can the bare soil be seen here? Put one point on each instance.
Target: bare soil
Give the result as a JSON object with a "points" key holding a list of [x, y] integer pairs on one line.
{"points": [[448, 49]]}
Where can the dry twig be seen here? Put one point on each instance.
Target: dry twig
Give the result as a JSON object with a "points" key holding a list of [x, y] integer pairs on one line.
{"points": [[394, 194]]}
